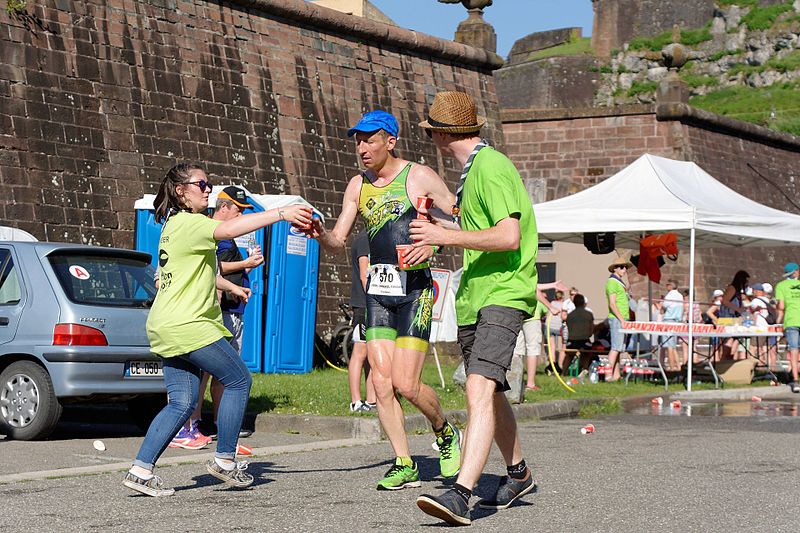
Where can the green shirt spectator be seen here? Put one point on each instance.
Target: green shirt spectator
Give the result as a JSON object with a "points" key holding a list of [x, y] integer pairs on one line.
{"points": [[615, 289], [788, 292], [494, 191]]}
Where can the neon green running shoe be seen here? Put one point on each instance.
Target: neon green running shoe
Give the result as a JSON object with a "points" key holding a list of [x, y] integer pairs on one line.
{"points": [[400, 476], [449, 443]]}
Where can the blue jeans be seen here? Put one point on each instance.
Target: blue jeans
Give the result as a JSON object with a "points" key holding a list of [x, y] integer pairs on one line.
{"points": [[182, 376]]}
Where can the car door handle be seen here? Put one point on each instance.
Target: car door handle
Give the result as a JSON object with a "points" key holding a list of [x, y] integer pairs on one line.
{"points": [[3, 320]]}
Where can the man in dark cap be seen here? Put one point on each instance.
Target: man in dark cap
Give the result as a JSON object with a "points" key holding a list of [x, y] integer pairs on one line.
{"points": [[496, 293]]}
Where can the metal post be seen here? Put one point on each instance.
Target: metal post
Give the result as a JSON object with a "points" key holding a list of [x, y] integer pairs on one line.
{"points": [[691, 308]]}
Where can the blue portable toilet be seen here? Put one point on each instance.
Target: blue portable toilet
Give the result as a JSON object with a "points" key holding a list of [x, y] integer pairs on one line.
{"points": [[285, 284]]}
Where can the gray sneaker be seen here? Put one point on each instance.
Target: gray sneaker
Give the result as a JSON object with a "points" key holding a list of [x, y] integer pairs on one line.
{"points": [[237, 477], [508, 491], [448, 506], [150, 487], [794, 387]]}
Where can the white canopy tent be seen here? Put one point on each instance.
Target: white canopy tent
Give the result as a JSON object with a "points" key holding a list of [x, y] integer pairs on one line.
{"points": [[656, 194]]}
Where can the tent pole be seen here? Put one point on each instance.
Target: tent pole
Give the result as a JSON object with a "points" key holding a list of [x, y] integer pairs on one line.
{"points": [[691, 311]]}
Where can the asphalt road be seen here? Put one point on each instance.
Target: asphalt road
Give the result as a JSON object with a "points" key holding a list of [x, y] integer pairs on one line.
{"points": [[635, 473]]}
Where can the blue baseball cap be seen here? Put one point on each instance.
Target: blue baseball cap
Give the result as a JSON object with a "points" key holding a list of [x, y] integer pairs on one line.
{"points": [[374, 121], [789, 268]]}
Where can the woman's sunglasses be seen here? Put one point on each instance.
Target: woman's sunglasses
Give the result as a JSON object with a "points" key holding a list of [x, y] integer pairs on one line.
{"points": [[200, 183]]}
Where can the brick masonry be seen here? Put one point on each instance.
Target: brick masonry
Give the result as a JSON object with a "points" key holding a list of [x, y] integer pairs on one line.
{"points": [[558, 156], [99, 98]]}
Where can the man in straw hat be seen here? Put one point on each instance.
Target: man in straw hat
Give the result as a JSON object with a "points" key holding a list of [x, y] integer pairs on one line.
{"points": [[618, 312], [399, 294], [496, 293]]}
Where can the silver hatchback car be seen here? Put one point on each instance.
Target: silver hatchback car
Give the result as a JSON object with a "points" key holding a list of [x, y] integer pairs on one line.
{"points": [[72, 329]]}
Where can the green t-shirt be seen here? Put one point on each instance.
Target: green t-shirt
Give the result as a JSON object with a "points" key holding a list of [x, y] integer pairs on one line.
{"points": [[788, 291], [493, 191], [615, 289], [540, 310], [186, 314]]}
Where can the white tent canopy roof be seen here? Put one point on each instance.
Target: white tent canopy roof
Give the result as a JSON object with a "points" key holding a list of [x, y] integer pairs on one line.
{"points": [[266, 201], [655, 194]]}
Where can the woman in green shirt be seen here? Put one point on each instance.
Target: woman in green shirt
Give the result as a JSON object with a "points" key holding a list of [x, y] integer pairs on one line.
{"points": [[185, 324]]}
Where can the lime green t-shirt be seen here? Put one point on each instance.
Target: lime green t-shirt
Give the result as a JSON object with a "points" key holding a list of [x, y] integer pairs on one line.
{"points": [[492, 192], [540, 310], [788, 291], [615, 289], [186, 314]]}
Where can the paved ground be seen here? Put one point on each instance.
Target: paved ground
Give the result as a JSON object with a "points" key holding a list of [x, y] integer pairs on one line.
{"points": [[636, 473]]}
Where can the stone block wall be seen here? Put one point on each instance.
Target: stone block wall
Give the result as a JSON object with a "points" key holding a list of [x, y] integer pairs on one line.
{"points": [[561, 153], [99, 98], [618, 21]]}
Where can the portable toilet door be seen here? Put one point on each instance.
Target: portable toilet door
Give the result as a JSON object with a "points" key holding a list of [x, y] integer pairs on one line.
{"points": [[291, 301], [148, 234]]}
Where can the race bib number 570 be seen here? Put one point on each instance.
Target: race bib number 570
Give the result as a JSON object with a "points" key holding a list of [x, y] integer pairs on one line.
{"points": [[386, 280]]}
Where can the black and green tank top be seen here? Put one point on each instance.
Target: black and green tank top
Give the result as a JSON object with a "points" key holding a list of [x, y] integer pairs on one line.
{"points": [[387, 212]]}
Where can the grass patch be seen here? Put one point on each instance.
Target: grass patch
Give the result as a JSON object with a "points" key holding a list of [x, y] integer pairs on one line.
{"points": [[696, 80], [689, 37], [763, 18], [787, 63], [325, 392], [724, 53], [740, 3], [642, 87], [575, 47], [605, 407], [756, 105]]}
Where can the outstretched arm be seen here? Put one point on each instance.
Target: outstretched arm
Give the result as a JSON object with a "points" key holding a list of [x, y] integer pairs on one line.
{"points": [[334, 240]]}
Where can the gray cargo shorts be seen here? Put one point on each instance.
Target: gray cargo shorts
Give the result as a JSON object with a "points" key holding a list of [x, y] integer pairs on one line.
{"points": [[488, 345]]}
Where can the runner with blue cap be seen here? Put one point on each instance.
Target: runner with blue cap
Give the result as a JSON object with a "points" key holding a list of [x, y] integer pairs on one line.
{"points": [[399, 293]]}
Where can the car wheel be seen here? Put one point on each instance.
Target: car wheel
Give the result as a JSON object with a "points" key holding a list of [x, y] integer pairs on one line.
{"points": [[143, 409], [29, 409]]}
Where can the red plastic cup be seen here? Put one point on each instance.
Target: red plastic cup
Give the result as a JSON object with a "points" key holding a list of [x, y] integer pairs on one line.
{"points": [[402, 249], [676, 404], [588, 428], [756, 398], [657, 401], [424, 202]]}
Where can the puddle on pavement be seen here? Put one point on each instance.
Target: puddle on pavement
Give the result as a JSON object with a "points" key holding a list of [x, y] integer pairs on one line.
{"points": [[737, 408]]}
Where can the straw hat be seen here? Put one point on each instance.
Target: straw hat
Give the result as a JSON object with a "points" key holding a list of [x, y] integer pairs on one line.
{"points": [[619, 262], [453, 112]]}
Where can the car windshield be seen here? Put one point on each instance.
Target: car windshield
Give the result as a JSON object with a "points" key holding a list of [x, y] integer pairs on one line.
{"points": [[104, 278]]}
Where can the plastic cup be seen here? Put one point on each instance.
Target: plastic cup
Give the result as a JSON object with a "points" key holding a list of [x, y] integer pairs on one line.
{"points": [[402, 249], [424, 202], [657, 401], [756, 398], [676, 404], [588, 428]]}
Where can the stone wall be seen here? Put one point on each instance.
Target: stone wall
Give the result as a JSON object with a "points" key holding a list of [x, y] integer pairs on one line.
{"points": [[561, 153], [618, 21], [99, 98]]}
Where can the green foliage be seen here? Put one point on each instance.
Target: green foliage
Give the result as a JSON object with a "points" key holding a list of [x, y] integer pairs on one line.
{"points": [[762, 18], [573, 48], [690, 37], [724, 53], [756, 105], [744, 67], [15, 6], [696, 80], [640, 87], [788, 63], [604, 407], [740, 3]]}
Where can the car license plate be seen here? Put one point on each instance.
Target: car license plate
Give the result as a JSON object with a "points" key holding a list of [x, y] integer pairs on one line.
{"points": [[144, 369]]}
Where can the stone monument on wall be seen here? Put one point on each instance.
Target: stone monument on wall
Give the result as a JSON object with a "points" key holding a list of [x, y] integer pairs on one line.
{"points": [[475, 31]]}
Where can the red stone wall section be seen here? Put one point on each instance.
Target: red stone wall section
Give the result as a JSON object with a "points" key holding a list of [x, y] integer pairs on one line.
{"points": [[99, 98]]}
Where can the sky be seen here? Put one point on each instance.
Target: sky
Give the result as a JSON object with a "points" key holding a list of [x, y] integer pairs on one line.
{"points": [[512, 19]]}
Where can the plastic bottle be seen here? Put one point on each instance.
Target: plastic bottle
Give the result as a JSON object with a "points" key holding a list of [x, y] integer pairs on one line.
{"points": [[593, 377], [251, 244], [748, 320]]}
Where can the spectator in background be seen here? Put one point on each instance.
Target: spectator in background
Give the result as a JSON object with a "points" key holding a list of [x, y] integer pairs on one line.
{"points": [[618, 312], [557, 327], [760, 308], [710, 317], [787, 294], [580, 324], [772, 342], [731, 306], [672, 307], [359, 257]]}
